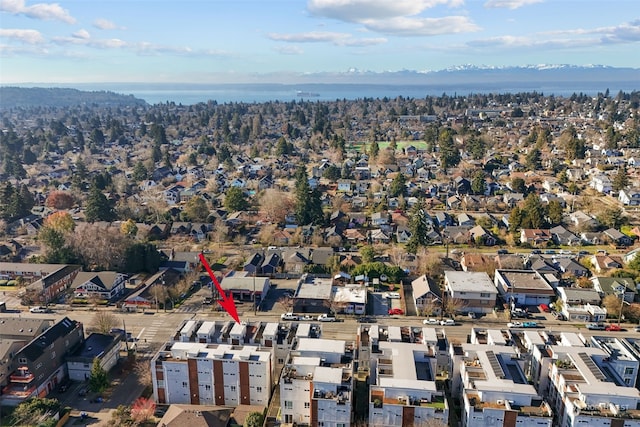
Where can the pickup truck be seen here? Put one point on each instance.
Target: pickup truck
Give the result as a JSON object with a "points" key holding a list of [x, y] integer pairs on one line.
{"points": [[289, 316], [595, 326], [326, 318]]}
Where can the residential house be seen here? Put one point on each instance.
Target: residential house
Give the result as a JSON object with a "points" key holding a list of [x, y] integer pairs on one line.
{"points": [[350, 299], [571, 267], [474, 290], [106, 285], [427, 296], [534, 236], [581, 304], [602, 263], [477, 262], [296, 260], [253, 263], [271, 263], [629, 197], [41, 363], [617, 238], [462, 185], [105, 348], [601, 183], [562, 236], [403, 234], [49, 287], [583, 221], [478, 235], [464, 220], [617, 286]]}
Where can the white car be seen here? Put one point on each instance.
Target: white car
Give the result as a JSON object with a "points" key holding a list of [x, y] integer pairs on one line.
{"points": [[431, 321], [392, 295], [288, 316], [326, 318], [38, 309], [447, 322], [514, 325]]}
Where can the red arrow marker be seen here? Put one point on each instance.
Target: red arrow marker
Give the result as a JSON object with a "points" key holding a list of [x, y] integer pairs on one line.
{"points": [[227, 300]]}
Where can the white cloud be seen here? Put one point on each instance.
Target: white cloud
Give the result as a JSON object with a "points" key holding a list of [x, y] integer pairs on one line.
{"points": [[310, 37], [337, 39], [289, 50], [358, 10], [105, 24], [82, 34], [402, 26], [627, 32], [24, 36], [510, 4], [43, 11]]}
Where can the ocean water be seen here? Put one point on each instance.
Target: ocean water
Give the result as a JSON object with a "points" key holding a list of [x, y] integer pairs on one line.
{"points": [[189, 94]]}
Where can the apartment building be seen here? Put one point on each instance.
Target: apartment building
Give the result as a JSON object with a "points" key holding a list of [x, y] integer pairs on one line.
{"points": [[316, 384], [40, 365], [584, 385], [403, 388], [212, 374], [474, 290], [493, 387]]}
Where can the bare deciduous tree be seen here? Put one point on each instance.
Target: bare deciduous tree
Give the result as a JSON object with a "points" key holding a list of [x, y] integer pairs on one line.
{"points": [[142, 372], [159, 293], [103, 321], [99, 246], [276, 204], [286, 303]]}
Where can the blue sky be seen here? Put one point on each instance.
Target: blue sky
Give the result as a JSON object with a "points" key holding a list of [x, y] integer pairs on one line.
{"points": [[212, 41]]}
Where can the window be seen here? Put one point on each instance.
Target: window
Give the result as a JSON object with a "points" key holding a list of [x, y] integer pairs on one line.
{"points": [[22, 360], [485, 295], [281, 361], [232, 388], [288, 404], [184, 384], [628, 371], [307, 405], [207, 387], [259, 389]]}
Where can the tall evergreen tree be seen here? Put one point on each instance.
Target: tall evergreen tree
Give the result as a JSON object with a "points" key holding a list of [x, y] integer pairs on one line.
{"points": [[98, 208], [449, 154], [478, 182], [419, 228], [621, 180], [397, 187], [308, 207]]}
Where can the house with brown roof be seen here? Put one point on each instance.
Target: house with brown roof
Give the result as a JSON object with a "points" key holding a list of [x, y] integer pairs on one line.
{"points": [[535, 236], [602, 263]]}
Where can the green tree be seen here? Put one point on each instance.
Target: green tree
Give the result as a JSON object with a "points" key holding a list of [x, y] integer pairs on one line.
{"points": [[518, 185], [574, 147], [98, 379], [374, 149], [308, 207], [449, 154], [142, 257], [195, 210], [612, 217], [621, 180], [419, 228], [332, 173], [98, 208], [397, 187], [476, 147], [254, 419], [129, 228], [532, 160], [235, 200], [478, 182], [554, 213], [140, 172], [515, 219], [533, 212], [36, 412], [368, 253]]}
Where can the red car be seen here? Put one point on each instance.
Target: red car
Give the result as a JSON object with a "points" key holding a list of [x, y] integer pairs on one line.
{"points": [[613, 328], [395, 311], [544, 307]]}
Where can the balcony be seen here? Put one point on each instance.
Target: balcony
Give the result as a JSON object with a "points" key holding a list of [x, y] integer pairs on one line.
{"points": [[22, 376]]}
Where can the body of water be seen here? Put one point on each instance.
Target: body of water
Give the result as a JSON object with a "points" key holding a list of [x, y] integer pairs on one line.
{"points": [[187, 94]]}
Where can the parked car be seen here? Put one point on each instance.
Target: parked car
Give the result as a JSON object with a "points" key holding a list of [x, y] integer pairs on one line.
{"points": [[502, 251], [395, 311], [536, 251], [82, 392], [613, 328], [544, 308], [448, 322], [431, 321], [514, 325], [596, 326], [39, 309], [392, 295], [529, 325], [366, 319], [63, 387], [207, 301], [471, 315], [637, 328], [326, 318], [288, 316]]}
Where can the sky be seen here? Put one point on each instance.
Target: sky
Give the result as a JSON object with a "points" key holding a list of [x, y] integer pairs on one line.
{"points": [[222, 41]]}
